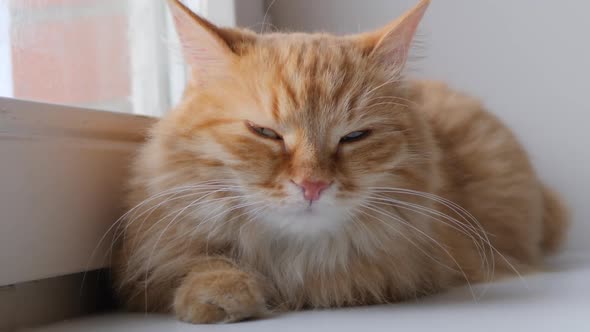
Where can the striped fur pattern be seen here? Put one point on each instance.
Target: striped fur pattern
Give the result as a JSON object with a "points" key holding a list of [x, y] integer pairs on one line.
{"points": [[439, 193]]}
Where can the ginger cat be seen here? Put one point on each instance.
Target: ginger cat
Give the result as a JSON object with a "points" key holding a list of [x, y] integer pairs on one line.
{"points": [[305, 171]]}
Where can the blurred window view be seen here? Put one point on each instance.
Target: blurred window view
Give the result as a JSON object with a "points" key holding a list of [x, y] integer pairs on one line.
{"points": [[115, 55]]}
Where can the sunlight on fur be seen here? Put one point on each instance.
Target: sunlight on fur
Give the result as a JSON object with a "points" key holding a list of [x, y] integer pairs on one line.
{"points": [[306, 171]]}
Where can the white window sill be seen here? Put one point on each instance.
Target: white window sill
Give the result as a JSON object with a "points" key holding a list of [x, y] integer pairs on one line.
{"points": [[63, 172]]}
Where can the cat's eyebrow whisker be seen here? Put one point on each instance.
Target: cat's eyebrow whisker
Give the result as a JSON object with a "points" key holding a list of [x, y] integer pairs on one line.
{"points": [[394, 97], [370, 106], [398, 100], [408, 101], [391, 81]]}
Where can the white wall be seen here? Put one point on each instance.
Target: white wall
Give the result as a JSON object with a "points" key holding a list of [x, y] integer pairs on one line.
{"points": [[243, 13], [528, 60], [250, 13]]}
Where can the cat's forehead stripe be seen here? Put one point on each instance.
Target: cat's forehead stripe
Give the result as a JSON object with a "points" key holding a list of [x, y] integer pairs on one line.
{"points": [[313, 76]]}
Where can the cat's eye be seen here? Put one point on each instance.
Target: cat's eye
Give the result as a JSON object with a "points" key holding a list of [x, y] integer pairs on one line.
{"points": [[355, 136], [263, 132]]}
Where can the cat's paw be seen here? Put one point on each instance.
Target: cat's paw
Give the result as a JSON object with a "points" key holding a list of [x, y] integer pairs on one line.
{"points": [[219, 297]]}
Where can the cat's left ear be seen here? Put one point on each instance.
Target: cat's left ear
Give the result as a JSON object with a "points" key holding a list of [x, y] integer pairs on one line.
{"points": [[207, 49], [390, 45]]}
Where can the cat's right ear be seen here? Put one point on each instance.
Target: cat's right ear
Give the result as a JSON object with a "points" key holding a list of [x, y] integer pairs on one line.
{"points": [[390, 45], [203, 46]]}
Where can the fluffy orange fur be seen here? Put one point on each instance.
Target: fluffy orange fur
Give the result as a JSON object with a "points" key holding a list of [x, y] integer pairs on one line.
{"points": [[435, 193]]}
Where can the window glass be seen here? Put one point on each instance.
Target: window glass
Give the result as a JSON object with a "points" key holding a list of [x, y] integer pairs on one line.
{"points": [[116, 55]]}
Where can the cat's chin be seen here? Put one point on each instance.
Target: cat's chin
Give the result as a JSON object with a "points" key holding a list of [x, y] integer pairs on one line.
{"points": [[306, 220]]}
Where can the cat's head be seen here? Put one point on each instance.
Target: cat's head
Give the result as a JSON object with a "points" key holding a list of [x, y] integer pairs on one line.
{"points": [[303, 124]]}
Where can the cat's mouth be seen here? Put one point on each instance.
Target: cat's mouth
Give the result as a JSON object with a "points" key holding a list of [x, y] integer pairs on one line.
{"points": [[314, 210], [314, 219], [310, 210], [307, 210]]}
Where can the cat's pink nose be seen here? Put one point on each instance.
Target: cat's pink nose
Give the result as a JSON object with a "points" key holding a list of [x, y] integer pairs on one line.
{"points": [[312, 189]]}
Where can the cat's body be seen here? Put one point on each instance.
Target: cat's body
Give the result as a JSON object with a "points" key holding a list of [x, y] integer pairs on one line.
{"points": [[221, 231]]}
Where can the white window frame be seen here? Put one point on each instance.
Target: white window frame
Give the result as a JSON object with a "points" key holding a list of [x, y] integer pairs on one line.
{"points": [[6, 86], [63, 172], [158, 70]]}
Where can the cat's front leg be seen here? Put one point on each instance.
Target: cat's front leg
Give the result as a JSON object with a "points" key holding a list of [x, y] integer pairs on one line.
{"points": [[217, 291]]}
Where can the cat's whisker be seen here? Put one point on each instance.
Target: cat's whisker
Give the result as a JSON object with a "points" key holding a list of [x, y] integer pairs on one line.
{"points": [[359, 224], [399, 232], [150, 256], [457, 209], [356, 221], [255, 214], [201, 223], [171, 191], [445, 202], [221, 224], [201, 198], [203, 185], [456, 225], [204, 221], [460, 211], [479, 245], [434, 241], [217, 203], [200, 203], [403, 235], [192, 192], [490, 270], [139, 240], [118, 223], [478, 240]]}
